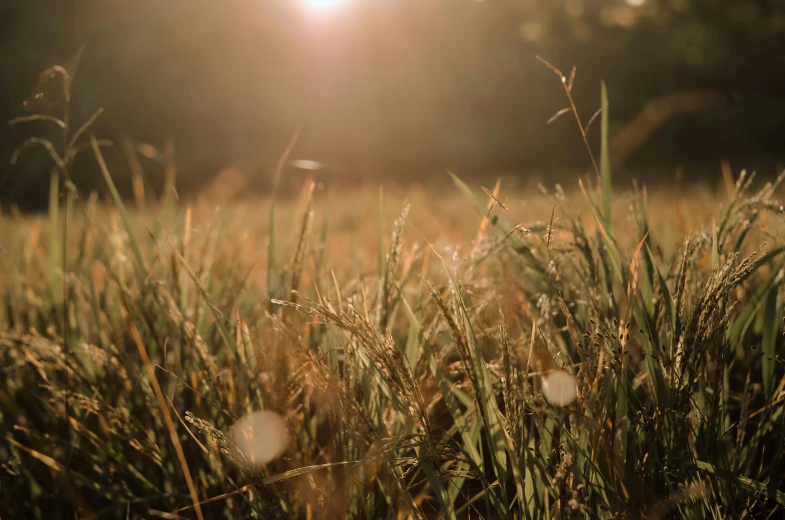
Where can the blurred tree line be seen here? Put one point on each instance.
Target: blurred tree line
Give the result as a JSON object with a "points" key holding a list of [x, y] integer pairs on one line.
{"points": [[396, 87]]}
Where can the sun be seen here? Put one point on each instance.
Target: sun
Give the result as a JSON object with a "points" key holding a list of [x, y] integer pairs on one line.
{"points": [[323, 4]]}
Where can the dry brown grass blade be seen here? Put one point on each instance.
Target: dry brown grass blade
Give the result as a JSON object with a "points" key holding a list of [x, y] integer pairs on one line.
{"points": [[567, 84], [284, 157], [532, 345], [727, 177], [571, 81], [495, 195], [164, 514], [632, 284], [571, 326], [593, 118], [85, 126], [40, 457], [61, 475], [218, 498], [557, 115], [297, 261], [550, 228], [137, 171], [37, 117], [493, 200], [554, 69], [37, 141]]}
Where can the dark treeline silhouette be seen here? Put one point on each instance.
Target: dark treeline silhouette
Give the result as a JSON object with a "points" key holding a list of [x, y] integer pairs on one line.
{"points": [[400, 87]]}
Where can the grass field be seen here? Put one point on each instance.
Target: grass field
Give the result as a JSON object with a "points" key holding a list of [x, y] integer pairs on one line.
{"points": [[416, 361], [468, 352]]}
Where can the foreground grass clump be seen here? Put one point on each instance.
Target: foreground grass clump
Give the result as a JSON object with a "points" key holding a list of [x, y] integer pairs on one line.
{"points": [[409, 371]]}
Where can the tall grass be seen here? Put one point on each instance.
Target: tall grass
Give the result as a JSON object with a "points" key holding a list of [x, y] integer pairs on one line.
{"points": [[412, 384]]}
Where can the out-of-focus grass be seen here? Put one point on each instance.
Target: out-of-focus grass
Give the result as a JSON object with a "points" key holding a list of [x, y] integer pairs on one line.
{"points": [[410, 391]]}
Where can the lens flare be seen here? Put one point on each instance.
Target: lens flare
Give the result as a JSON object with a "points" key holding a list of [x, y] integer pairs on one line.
{"points": [[260, 436], [559, 388], [306, 164]]}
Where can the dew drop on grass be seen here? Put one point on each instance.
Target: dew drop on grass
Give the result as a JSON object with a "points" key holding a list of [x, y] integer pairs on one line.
{"points": [[261, 436], [559, 388]]}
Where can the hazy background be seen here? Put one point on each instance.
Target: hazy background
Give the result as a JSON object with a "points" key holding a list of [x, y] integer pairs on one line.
{"points": [[395, 88]]}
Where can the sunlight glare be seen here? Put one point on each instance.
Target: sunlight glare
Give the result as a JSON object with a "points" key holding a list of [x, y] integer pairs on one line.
{"points": [[323, 4]]}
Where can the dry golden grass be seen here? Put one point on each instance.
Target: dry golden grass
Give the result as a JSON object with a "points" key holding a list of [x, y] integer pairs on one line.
{"points": [[410, 365]]}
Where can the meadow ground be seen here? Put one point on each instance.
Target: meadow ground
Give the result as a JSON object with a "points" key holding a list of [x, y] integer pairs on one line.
{"points": [[517, 355]]}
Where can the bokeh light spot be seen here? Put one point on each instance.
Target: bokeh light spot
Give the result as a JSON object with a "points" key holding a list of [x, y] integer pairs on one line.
{"points": [[559, 388], [306, 164], [261, 436]]}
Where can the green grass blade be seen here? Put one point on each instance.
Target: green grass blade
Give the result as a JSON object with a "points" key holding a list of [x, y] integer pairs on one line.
{"points": [[747, 314], [382, 262], [665, 297], [605, 161], [766, 490], [770, 333], [611, 248], [322, 256], [275, 289], [486, 399], [447, 509], [414, 341], [53, 245], [498, 223], [120, 207]]}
